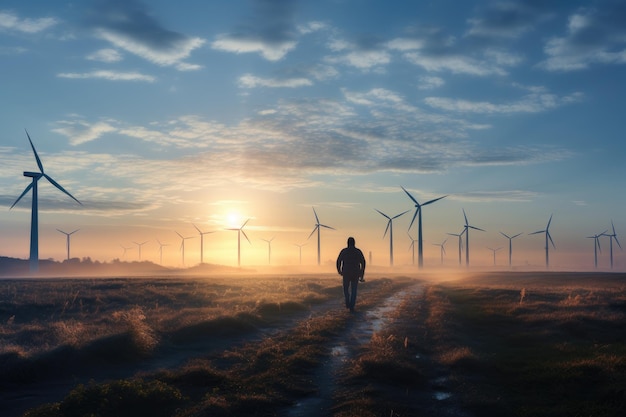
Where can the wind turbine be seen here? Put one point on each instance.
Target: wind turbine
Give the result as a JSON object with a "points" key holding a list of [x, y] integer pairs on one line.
{"points": [[548, 237], [510, 244], [611, 237], [418, 214], [443, 249], [460, 236], [67, 244], [317, 227], [201, 242], [412, 247], [161, 251], [34, 217], [239, 232], [269, 249], [466, 231], [300, 248], [182, 244], [596, 246], [125, 250], [140, 245], [494, 254], [389, 229]]}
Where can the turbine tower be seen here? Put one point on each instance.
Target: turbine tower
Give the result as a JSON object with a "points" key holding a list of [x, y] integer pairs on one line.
{"points": [[596, 246], [389, 229], [201, 242], [34, 217], [460, 236], [611, 237], [161, 251], [510, 244], [443, 249], [548, 237], [239, 232], [182, 244], [418, 214], [67, 243], [317, 227], [494, 254], [269, 249], [300, 250], [466, 231], [140, 245], [412, 247]]}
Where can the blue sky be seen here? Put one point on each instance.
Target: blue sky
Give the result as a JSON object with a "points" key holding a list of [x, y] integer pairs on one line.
{"points": [[160, 114]]}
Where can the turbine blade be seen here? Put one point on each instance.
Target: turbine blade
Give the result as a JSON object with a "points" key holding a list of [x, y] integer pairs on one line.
{"points": [[537, 232], [39, 164], [414, 216], [432, 201], [56, 184], [551, 241], [387, 228], [410, 196], [549, 221], [513, 237], [506, 236], [181, 236], [246, 236], [475, 228], [314, 229], [328, 227], [317, 220], [465, 215], [398, 215], [199, 231], [382, 213], [244, 224], [618, 244], [27, 189]]}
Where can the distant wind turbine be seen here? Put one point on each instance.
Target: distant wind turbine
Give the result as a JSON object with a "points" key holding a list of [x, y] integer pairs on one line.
{"points": [[269, 249], [67, 243], [466, 231], [201, 242], [34, 219], [546, 231], [412, 248], [182, 245], [611, 237], [596, 246], [418, 214], [494, 254], [161, 251], [510, 244], [125, 250], [239, 232], [140, 245], [317, 227], [443, 249], [460, 236], [389, 229], [300, 250]]}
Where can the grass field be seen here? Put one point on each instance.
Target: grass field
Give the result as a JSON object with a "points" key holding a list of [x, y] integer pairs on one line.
{"points": [[509, 344]]}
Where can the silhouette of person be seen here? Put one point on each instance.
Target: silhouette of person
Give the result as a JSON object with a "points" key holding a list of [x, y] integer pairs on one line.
{"points": [[351, 265]]}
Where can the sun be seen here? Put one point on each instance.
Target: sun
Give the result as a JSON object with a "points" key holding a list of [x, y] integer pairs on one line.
{"points": [[233, 219]]}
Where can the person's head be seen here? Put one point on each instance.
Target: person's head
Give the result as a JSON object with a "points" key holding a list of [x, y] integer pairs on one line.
{"points": [[351, 242]]}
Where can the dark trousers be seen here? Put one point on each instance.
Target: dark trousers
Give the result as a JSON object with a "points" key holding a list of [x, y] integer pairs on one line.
{"points": [[349, 291]]}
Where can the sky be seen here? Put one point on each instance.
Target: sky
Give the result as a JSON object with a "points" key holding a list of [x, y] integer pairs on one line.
{"points": [[158, 116]]}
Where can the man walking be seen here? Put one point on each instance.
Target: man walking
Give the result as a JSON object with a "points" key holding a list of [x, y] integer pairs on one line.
{"points": [[351, 265]]}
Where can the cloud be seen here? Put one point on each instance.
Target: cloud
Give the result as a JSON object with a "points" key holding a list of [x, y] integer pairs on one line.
{"points": [[270, 31], [80, 131], [531, 103], [594, 36], [495, 196], [105, 55], [508, 20], [109, 75], [11, 22], [430, 83], [250, 81], [128, 26]]}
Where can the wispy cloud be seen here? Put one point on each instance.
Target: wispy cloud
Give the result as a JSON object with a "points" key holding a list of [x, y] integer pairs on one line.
{"points": [[11, 22], [531, 103], [251, 81], [595, 35], [80, 131], [109, 75], [269, 31], [107, 55], [495, 196], [127, 25]]}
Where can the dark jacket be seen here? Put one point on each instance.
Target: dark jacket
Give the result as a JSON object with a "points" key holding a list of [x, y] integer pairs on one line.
{"points": [[351, 262]]}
